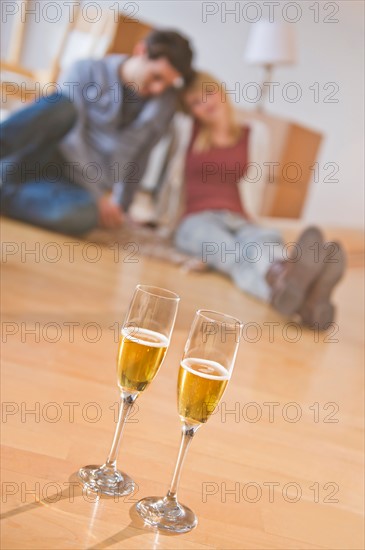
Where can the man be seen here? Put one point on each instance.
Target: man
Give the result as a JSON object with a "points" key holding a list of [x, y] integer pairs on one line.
{"points": [[74, 160]]}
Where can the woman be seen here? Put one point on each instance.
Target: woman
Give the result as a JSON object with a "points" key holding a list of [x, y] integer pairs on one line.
{"points": [[217, 228]]}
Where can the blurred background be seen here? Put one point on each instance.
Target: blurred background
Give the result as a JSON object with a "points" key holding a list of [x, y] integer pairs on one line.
{"points": [[314, 115]]}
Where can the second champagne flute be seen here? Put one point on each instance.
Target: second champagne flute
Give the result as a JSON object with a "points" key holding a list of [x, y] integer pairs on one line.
{"points": [[205, 370], [143, 343]]}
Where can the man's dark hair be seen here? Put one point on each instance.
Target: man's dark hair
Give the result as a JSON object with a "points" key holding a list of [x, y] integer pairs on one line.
{"points": [[175, 48]]}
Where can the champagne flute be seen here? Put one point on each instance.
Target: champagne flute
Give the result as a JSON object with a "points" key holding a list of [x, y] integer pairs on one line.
{"points": [[206, 367], [143, 343]]}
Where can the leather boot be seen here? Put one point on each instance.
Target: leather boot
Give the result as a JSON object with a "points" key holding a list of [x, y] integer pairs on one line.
{"points": [[317, 310], [290, 279]]}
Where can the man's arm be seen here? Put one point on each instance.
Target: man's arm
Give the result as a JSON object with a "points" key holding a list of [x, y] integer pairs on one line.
{"points": [[136, 142], [90, 86]]}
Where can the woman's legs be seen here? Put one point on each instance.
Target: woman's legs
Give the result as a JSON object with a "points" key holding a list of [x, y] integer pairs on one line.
{"points": [[201, 235], [260, 248], [228, 243], [301, 282]]}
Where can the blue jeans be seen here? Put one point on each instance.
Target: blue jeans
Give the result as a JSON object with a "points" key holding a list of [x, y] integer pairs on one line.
{"points": [[36, 187], [228, 243]]}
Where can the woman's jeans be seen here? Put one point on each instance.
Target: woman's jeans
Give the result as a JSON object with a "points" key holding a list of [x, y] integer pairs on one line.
{"points": [[228, 243], [36, 184]]}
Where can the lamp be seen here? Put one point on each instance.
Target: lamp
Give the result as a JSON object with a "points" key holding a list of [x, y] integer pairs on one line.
{"points": [[270, 44]]}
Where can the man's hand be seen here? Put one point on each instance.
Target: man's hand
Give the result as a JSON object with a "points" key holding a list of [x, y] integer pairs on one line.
{"points": [[110, 214]]}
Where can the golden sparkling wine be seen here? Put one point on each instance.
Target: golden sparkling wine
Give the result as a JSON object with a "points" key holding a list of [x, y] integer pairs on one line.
{"points": [[201, 384], [140, 355]]}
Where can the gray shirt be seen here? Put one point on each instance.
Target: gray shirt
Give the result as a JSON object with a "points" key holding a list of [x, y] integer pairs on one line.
{"points": [[109, 146]]}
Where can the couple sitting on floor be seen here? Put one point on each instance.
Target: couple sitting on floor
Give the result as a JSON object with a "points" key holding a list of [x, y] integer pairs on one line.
{"points": [[73, 161]]}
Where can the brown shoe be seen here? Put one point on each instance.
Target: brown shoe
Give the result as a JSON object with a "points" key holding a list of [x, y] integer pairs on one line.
{"points": [[317, 310], [291, 279]]}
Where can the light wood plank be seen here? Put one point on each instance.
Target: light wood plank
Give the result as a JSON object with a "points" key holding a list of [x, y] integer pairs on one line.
{"points": [[231, 451]]}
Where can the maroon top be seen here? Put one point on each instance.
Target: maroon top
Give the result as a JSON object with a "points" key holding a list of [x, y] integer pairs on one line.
{"points": [[211, 177]]}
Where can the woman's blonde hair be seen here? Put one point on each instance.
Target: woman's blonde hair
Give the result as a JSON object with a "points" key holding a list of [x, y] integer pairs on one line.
{"points": [[203, 83]]}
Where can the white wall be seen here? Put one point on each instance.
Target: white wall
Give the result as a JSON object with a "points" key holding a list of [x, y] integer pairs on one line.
{"points": [[327, 52]]}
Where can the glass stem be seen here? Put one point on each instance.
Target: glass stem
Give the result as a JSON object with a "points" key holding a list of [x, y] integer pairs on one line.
{"points": [[126, 403], [188, 432]]}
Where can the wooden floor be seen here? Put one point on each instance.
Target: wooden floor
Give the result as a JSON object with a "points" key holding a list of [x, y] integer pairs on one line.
{"points": [[279, 466]]}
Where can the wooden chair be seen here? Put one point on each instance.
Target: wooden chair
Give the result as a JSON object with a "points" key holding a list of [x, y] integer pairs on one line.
{"points": [[82, 38], [12, 67]]}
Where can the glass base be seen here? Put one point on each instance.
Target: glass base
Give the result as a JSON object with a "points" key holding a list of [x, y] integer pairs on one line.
{"points": [[106, 480], [167, 514]]}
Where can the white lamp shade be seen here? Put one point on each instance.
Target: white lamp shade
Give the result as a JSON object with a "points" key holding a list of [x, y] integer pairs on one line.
{"points": [[270, 44]]}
